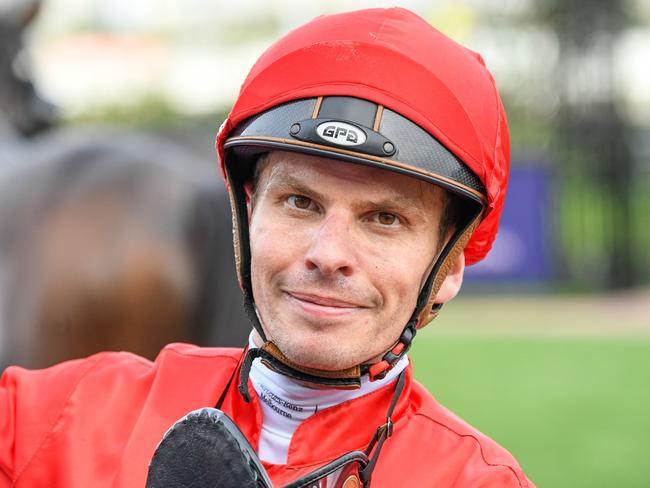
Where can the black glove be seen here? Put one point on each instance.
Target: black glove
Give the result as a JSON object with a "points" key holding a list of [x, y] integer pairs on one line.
{"points": [[205, 449]]}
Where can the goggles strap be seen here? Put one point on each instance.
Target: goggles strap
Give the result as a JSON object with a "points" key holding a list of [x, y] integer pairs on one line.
{"points": [[382, 433]]}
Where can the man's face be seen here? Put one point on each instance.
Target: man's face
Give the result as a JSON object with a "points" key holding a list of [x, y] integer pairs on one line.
{"points": [[339, 253]]}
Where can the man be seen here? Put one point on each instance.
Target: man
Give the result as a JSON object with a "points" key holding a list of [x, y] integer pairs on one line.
{"points": [[367, 160]]}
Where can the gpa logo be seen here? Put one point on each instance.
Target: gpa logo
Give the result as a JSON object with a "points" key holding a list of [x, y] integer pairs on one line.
{"points": [[341, 133]]}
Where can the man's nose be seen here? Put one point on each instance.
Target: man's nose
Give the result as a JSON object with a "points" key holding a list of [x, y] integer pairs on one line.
{"points": [[332, 250]]}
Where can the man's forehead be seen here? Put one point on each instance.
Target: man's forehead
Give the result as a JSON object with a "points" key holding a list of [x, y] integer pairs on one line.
{"points": [[295, 169]]}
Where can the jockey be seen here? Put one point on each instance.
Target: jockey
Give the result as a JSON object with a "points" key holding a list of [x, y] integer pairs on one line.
{"points": [[367, 162]]}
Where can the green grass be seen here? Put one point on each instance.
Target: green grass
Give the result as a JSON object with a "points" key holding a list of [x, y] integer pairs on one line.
{"points": [[575, 412]]}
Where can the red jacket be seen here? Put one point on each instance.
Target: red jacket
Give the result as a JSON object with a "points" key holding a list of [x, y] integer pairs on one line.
{"points": [[95, 423]]}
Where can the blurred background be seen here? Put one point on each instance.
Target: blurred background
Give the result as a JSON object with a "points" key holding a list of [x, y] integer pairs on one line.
{"points": [[111, 107]]}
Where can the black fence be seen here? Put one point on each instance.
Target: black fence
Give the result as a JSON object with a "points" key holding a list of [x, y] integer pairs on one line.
{"points": [[599, 156]]}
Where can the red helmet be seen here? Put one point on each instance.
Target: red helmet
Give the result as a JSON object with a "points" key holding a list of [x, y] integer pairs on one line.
{"points": [[379, 87]]}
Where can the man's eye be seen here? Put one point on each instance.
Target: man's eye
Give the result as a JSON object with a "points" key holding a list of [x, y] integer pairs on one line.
{"points": [[387, 218], [300, 202]]}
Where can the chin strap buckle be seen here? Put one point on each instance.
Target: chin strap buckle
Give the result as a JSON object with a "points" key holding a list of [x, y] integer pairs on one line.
{"points": [[379, 370], [386, 430]]}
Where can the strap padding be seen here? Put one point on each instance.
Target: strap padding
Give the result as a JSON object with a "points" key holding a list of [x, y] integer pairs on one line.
{"points": [[430, 311], [350, 373]]}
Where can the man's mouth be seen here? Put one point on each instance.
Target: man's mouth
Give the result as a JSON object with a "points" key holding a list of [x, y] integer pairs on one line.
{"points": [[324, 305]]}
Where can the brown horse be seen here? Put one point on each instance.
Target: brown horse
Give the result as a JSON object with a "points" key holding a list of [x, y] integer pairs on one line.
{"points": [[114, 248], [108, 240]]}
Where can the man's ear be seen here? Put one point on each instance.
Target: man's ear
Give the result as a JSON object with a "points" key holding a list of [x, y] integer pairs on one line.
{"points": [[248, 190], [451, 286]]}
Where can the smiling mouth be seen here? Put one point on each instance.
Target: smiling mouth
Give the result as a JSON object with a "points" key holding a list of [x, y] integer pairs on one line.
{"points": [[325, 306]]}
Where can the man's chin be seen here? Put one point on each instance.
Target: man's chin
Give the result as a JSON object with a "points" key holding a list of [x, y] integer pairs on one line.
{"points": [[307, 359]]}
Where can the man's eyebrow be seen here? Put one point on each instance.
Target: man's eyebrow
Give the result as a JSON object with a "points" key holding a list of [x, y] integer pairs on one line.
{"points": [[397, 201], [286, 181]]}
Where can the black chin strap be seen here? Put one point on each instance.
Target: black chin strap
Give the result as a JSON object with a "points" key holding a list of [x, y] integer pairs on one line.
{"points": [[244, 373], [269, 355], [273, 363], [249, 308]]}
